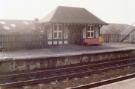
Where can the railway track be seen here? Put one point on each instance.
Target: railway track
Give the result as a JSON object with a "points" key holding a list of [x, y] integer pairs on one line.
{"points": [[103, 82], [44, 76]]}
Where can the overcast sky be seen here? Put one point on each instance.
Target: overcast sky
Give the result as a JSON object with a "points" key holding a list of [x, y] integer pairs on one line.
{"points": [[111, 11]]}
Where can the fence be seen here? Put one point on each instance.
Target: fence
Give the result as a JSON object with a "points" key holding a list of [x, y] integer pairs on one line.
{"points": [[21, 41], [108, 38]]}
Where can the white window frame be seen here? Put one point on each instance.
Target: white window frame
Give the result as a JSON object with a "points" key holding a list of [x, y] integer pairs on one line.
{"points": [[84, 33], [58, 35], [66, 32], [49, 33], [97, 32], [90, 30], [57, 31]]}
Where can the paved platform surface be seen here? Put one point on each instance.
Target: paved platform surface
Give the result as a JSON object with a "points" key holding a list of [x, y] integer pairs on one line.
{"points": [[70, 50], [119, 45], [125, 84]]}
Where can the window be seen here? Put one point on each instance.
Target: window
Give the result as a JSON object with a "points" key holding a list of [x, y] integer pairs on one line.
{"points": [[57, 35], [90, 32], [65, 42], [96, 32], [49, 42], [57, 32], [49, 33], [84, 32], [66, 32]]}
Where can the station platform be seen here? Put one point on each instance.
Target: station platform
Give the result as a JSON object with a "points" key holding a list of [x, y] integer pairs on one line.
{"points": [[68, 50], [125, 84]]}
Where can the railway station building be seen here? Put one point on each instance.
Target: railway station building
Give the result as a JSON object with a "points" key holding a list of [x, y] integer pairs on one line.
{"points": [[70, 25]]}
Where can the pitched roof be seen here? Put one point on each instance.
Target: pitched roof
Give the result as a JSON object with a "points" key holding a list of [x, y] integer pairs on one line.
{"points": [[71, 15], [11, 26], [122, 29]]}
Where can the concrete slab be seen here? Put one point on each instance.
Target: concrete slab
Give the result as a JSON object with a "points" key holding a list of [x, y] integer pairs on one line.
{"points": [[120, 45], [125, 84], [69, 50]]}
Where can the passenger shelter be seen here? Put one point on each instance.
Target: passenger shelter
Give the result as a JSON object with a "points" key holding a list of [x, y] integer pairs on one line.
{"points": [[71, 25]]}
